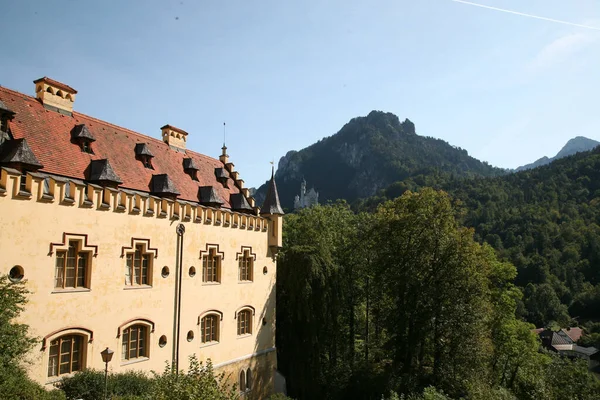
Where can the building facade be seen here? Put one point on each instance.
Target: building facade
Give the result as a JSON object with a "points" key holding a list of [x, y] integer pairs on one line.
{"points": [[133, 243], [306, 199]]}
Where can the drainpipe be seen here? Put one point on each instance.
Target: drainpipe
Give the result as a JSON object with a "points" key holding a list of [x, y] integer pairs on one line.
{"points": [[177, 309]]}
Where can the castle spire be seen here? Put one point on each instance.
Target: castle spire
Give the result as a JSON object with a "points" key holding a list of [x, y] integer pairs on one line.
{"points": [[271, 205]]}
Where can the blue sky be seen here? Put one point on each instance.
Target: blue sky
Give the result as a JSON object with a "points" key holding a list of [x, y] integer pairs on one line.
{"points": [[284, 74]]}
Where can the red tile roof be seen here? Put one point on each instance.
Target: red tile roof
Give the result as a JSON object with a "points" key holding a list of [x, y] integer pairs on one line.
{"points": [[48, 133], [574, 333]]}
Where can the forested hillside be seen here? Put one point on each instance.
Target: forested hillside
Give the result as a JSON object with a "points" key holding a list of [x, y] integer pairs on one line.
{"points": [[404, 302], [367, 155], [545, 221]]}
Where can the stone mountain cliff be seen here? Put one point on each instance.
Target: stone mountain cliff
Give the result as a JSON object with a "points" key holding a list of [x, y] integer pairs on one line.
{"points": [[366, 155]]}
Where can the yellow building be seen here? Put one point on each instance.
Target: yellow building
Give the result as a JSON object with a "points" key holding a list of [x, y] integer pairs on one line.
{"points": [[133, 243]]}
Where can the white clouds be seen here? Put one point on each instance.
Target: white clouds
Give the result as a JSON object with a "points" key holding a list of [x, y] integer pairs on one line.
{"points": [[563, 49]]}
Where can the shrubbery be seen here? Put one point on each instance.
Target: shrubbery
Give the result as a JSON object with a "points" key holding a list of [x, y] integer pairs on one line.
{"points": [[199, 382], [89, 385]]}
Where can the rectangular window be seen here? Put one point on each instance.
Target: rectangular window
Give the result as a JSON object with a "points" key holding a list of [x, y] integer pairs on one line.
{"points": [[138, 264], [23, 182], [246, 264], [47, 186], [71, 267], [68, 191], [211, 266], [65, 355]]}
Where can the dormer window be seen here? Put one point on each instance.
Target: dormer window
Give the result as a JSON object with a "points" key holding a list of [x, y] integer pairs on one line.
{"points": [[222, 176], [3, 124], [190, 167], [143, 153], [147, 161], [5, 116], [86, 147], [82, 136]]}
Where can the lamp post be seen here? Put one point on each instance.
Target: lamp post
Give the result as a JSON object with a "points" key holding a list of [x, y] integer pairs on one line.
{"points": [[106, 357]]}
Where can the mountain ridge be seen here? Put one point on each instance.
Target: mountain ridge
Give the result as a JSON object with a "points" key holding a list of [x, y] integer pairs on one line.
{"points": [[575, 145], [366, 155]]}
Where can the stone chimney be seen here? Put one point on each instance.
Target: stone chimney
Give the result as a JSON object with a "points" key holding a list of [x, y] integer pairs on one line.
{"points": [[174, 137], [54, 95]]}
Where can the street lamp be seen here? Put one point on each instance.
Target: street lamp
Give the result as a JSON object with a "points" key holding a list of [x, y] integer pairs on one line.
{"points": [[106, 357]]}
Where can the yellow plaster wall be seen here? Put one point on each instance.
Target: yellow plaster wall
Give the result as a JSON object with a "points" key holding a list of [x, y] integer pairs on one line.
{"points": [[29, 225]]}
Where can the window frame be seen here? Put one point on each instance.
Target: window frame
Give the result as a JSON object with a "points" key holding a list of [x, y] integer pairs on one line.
{"points": [[145, 256], [246, 266], [48, 342], [215, 333], [24, 187], [143, 335], [86, 146], [211, 263], [78, 251], [245, 322]]}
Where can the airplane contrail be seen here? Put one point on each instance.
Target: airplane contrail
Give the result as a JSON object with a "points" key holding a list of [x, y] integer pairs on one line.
{"points": [[526, 15]]}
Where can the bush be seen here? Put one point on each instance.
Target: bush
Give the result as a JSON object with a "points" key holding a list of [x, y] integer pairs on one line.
{"points": [[198, 383], [89, 385], [16, 385]]}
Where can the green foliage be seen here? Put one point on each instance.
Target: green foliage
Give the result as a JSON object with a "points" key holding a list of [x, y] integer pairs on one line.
{"points": [[315, 299], [571, 380], [15, 340], [16, 385], [199, 382], [435, 285], [544, 221], [89, 384], [14, 344], [405, 302]]}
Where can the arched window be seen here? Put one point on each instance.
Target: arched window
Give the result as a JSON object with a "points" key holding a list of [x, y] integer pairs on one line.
{"points": [[244, 322], [246, 266], [242, 381], [134, 342], [72, 267], [59, 93], [66, 355], [248, 379], [49, 90], [209, 328], [69, 97]]}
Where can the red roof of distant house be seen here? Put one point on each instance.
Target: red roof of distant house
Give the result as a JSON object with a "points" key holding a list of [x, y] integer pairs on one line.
{"points": [[573, 333], [48, 133]]}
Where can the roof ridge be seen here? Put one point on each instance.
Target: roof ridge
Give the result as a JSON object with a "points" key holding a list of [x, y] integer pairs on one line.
{"points": [[77, 113]]}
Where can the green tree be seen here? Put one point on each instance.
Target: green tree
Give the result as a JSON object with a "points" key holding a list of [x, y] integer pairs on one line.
{"points": [[317, 300], [15, 342], [437, 281]]}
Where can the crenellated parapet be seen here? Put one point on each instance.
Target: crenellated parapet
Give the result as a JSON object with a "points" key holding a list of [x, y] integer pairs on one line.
{"points": [[68, 192]]}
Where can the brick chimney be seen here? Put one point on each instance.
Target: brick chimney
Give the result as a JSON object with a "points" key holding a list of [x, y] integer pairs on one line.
{"points": [[174, 137], [54, 95]]}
